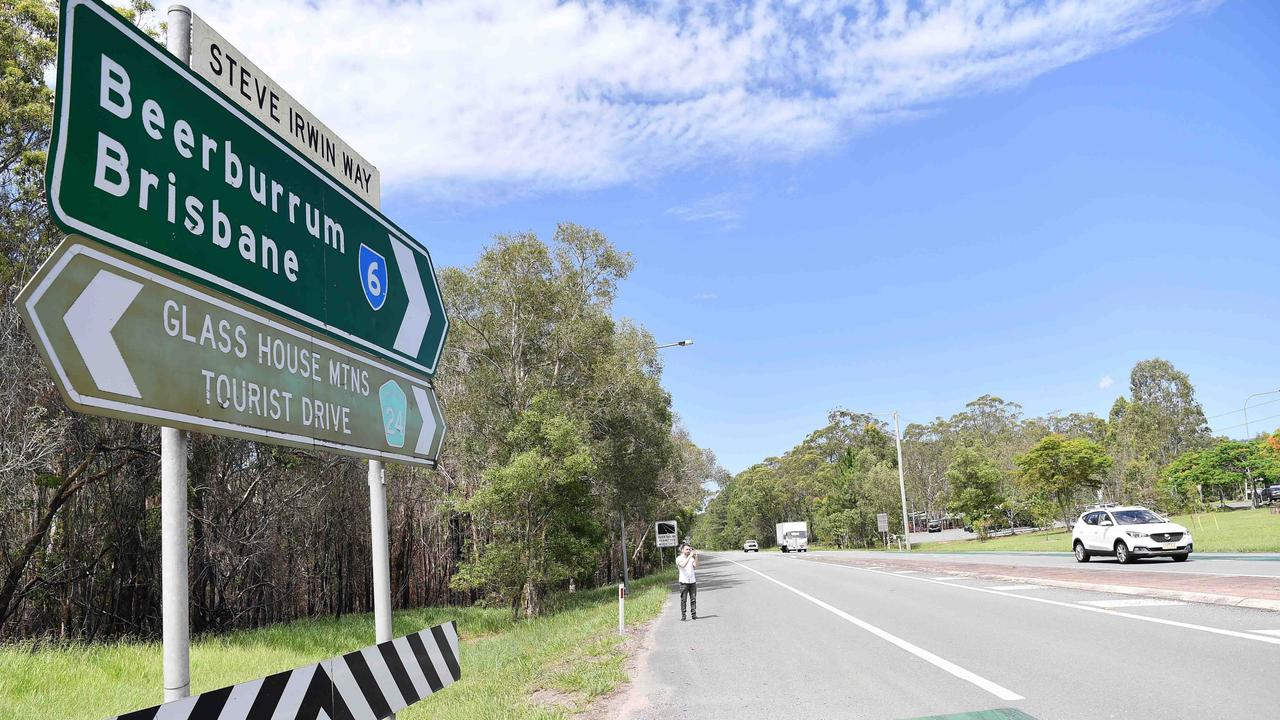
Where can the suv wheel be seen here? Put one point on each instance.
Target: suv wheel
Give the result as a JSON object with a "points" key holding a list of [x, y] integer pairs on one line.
{"points": [[1082, 555], [1122, 552]]}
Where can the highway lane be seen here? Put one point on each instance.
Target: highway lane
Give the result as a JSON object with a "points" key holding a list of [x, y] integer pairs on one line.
{"points": [[1226, 564], [786, 636]]}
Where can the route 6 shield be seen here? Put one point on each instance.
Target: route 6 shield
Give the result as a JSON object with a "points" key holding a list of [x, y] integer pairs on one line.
{"points": [[373, 276]]}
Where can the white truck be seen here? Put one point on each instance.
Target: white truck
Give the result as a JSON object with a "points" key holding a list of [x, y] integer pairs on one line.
{"points": [[793, 536]]}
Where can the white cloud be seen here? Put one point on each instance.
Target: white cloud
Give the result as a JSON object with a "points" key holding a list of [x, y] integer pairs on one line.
{"points": [[705, 296], [1105, 382], [723, 208], [460, 95]]}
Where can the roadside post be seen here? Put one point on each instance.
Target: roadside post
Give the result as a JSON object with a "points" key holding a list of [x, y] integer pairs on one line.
{"points": [[882, 524], [622, 609]]}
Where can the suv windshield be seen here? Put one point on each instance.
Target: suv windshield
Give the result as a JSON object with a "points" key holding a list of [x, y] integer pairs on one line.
{"points": [[1136, 517]]}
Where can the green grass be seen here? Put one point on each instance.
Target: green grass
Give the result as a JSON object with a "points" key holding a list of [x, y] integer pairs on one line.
{"points": [[574, 651], [1236, 531]]}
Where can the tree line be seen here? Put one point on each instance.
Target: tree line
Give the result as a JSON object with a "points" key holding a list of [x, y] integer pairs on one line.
{"points": [[561, 442], [993, 468]]}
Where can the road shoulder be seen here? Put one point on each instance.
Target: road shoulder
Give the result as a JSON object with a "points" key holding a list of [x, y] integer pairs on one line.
{"points": [[631, 697]]}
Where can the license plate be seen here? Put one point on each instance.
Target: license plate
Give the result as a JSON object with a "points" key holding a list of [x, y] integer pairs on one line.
{"points": [[1170, 546]]}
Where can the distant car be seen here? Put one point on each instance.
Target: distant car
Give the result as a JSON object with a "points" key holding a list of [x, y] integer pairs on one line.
{"points": [[1270, 494], [935, 526], [750, 546], [1128, 533]]}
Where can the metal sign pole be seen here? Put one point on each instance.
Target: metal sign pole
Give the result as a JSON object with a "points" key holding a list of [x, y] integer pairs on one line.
{"points": [[381, 552], [175, 602]]}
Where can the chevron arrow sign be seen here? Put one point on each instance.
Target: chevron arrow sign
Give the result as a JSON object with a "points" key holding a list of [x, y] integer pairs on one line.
{"points": [[368, 684], [130, 341]]}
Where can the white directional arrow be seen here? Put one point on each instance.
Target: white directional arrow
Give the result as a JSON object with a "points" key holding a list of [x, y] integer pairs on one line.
{"points": [[414, 326], [428, 433], [90, 320]]}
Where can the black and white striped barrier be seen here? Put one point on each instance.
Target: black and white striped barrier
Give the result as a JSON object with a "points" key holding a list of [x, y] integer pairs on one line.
{"points": [[368, 684]]}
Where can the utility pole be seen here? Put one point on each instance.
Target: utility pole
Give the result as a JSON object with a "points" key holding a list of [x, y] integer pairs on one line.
{"points": [[902, 482], [175, 601], [1248, 471]]}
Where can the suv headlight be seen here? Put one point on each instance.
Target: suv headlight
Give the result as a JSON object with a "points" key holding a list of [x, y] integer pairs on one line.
{"points": [[1136, 534]]}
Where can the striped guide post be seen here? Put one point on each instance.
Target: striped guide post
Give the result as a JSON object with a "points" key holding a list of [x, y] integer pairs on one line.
{"points": [[367, 684]]}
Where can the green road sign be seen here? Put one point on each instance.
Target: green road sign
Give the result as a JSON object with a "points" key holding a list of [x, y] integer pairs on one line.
{"points": [[129, 341], [150, 158]]}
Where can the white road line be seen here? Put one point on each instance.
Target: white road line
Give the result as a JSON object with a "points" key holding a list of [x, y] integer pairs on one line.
{"points": [[1017, 587], [905, 572], [1077, 606], [1131, 602], [948, 578], [946, 665], [1269, 632]]}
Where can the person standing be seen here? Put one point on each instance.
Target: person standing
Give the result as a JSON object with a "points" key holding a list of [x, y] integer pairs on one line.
{"points": [[688, 564]]}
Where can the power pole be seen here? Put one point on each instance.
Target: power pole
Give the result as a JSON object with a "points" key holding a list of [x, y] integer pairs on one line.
{"points": [[902, 482]]}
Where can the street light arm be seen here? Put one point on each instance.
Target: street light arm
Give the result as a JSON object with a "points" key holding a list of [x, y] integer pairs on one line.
{"points": [[681, 343], [1246, 408]]}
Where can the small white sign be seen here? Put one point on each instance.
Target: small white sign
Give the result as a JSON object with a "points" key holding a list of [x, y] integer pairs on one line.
{"points": [[217, 61], [665, 532], [882, 522]]}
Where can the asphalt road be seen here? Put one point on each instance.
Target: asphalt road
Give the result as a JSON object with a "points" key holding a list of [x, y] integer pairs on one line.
{"points": [[784, 636], [1242, 564]]}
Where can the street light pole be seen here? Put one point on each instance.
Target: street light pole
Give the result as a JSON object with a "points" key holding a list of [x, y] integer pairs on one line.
{"points": [[902, 482], [622, 523], [1248, 471]]}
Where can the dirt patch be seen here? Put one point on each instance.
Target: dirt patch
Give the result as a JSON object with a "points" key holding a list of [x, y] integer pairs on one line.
{"points": [[548, 698], [625, 699]]}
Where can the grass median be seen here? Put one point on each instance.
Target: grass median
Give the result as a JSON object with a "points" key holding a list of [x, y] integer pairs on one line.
{"points": [[1236, 531], [568, 658]]}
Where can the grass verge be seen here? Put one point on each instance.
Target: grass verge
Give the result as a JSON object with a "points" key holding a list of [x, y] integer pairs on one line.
{"points": [[573, 654], [1236, 531]]}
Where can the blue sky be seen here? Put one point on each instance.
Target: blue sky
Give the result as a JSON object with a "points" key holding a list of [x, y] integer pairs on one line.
{"points": [[1027, 234]]}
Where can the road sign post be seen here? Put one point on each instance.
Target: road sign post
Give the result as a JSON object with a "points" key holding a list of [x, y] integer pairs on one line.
{"points": [[140, 344], [150, 158], [175, 591]]}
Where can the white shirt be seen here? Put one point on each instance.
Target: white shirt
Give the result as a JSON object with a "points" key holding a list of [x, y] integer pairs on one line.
{"points": [[688, 573]]}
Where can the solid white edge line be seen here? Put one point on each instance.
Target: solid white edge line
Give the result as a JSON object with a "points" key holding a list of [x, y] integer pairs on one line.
{"points": [[1074, 606], [946, 665]]}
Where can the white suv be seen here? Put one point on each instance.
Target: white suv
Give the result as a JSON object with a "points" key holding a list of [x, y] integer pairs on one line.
{"points": [[750, 546], [1128, 533]]}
